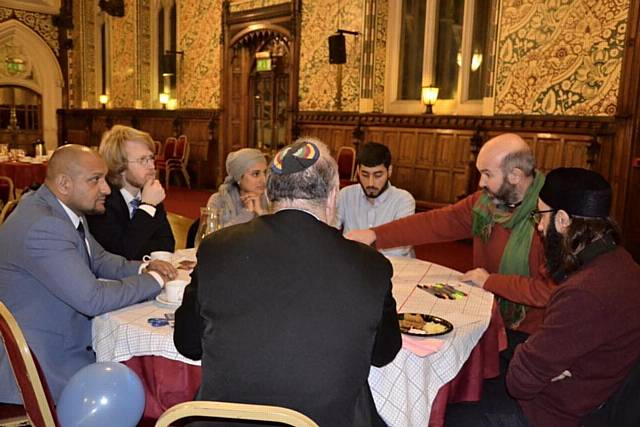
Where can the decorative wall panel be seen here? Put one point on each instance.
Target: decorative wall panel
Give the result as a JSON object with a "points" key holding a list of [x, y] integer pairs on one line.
{"points": [[41, 23], [242, 5], [560, 57], [199, 28], [379, 64], [124, 57], [318, 86]]}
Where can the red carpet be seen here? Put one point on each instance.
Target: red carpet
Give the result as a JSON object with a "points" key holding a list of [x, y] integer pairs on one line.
{"points": [[185, 202]]}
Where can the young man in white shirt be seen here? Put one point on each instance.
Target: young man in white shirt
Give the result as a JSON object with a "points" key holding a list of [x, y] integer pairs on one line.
{"points": [[374, 201]]}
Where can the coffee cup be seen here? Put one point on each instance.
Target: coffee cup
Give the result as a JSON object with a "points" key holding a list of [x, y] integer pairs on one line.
{"points": [[158, 255], [174, 290]]}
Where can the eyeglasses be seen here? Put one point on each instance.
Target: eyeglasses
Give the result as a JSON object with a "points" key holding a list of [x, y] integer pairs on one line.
{"points": [[536, 215], [144, 161]]}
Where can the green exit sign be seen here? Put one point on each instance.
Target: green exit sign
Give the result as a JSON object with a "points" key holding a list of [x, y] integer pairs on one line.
{"points": [[263, 64]]}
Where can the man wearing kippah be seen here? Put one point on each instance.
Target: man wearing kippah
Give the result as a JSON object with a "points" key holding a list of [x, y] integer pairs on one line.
{"points": [[590, 337], [282, 310]]}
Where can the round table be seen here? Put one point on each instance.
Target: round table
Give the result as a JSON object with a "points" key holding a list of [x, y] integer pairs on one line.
{"points": [[23, 174]]}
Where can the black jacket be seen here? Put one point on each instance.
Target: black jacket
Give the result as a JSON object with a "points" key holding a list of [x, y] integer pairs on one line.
{"points": [[284, 311], [131, 237]]}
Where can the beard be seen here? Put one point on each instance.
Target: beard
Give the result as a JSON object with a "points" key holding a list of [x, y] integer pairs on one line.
{"points": [[554, 251], [368, 191], [507, 194]]}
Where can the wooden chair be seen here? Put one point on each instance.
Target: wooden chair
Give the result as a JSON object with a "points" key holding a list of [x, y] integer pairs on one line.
{"points": [[33, 386], [234, 411], [157, 148], [7, 209], [180, 161], [346, 159], [168, 152], [7, 190]]}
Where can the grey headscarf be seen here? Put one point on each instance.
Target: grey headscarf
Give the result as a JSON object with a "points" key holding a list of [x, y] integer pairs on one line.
{"points": [[237, 164]]}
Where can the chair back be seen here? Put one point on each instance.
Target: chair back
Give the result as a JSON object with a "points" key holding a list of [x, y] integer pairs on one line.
{"points": [[7, 209], [169, 149], [157, 147], [234, 411], [346, 159], [182, 148], [31, 382], [7, 190]]}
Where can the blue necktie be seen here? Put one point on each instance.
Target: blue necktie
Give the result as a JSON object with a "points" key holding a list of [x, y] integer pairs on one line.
{"points": [[134, 204]]}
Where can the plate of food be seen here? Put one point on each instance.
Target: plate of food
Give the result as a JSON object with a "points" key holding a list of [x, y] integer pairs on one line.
{"points": [[423, 325]]}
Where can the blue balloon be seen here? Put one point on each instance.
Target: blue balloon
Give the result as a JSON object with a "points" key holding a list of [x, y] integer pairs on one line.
{"points": [[104, 394]]}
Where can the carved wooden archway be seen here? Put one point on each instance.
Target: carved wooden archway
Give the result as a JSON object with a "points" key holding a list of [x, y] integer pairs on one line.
{"points": [[258, 107]]}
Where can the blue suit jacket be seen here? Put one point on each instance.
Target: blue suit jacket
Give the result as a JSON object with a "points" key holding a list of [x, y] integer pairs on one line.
{"points": [[51, 286]]}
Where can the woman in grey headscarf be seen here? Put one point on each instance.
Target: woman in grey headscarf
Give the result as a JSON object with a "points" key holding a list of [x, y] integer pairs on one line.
{"points": [[242, 194]]}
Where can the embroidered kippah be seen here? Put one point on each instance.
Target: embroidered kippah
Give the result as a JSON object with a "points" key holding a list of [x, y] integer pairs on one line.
{"points": [[295, 158]]}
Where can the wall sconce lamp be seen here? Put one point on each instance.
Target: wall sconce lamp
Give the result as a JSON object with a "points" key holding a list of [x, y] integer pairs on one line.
{"points": [[429, 97], [164, 100], [103, 100]]}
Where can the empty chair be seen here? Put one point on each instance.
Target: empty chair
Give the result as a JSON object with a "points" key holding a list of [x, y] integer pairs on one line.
{"points": [[168, 152], [346, 159], [234, 411], [180, 161], [31, 382]]}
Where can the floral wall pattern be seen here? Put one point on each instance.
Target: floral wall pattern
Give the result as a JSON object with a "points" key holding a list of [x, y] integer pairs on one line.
{"points": [[199, 29], [560, 57], [380, 55], [123, 57], [318, 77]]}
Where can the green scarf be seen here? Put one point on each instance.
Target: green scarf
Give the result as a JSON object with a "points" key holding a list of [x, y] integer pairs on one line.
{"points": [[515, 257]]}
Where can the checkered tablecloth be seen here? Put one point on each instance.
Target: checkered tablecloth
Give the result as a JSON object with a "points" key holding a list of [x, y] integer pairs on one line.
{"points": [[403, 391]]}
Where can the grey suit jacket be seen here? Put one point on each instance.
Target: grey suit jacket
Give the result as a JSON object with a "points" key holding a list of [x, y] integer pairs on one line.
{"points": [[51, 286]]}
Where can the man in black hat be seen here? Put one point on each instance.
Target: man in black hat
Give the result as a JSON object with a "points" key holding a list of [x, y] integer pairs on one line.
{"points": [[292, 313], [590, 337]]}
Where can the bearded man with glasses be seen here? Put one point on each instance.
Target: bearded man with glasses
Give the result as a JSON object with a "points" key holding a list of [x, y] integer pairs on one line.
{"points": [[135, 222], [590, 338]]}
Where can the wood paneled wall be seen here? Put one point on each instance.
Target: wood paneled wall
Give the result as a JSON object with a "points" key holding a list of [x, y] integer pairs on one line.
{"points": [[86, 126], [434, 156]]}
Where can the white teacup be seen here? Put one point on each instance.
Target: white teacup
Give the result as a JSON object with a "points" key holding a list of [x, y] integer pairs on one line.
{"points": [[174, 290], [158, 255]]}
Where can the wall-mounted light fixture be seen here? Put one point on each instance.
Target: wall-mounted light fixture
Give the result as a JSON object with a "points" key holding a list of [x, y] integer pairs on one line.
{"points": [[429, 97], [164, 100], [103, 100]]}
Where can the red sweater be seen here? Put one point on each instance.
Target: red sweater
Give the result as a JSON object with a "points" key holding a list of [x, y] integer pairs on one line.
{"points": [[454, 222], [592, 329]]}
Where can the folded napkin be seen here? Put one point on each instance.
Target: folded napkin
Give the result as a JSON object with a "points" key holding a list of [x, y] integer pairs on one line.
{"points": [[421, 346]]}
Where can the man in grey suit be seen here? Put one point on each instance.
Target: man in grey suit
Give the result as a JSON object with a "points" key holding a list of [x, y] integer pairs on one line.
{"points": [[50, 265]]}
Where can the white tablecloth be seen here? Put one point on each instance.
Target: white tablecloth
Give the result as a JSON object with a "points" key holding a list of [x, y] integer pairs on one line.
{"points": [[403, 391]]}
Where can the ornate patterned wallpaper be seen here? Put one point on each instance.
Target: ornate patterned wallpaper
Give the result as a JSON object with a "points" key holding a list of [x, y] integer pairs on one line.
{"points": [[123, 57], [39, 22], [199, 26], [241, 5], [560, 57], [380, 58], [317, 76]]}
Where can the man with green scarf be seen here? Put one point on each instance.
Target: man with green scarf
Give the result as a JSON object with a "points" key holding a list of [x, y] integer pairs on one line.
{"points": [[507, 253]]}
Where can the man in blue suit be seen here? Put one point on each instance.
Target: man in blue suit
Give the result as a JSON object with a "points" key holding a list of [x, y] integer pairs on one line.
{"points": [[50, 265]]}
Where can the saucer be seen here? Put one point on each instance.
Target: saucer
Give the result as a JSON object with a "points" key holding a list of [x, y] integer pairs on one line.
{"points": [[161, 299]]}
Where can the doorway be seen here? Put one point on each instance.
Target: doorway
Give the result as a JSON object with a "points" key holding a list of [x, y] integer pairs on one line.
{"points": [[260, 79]]}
